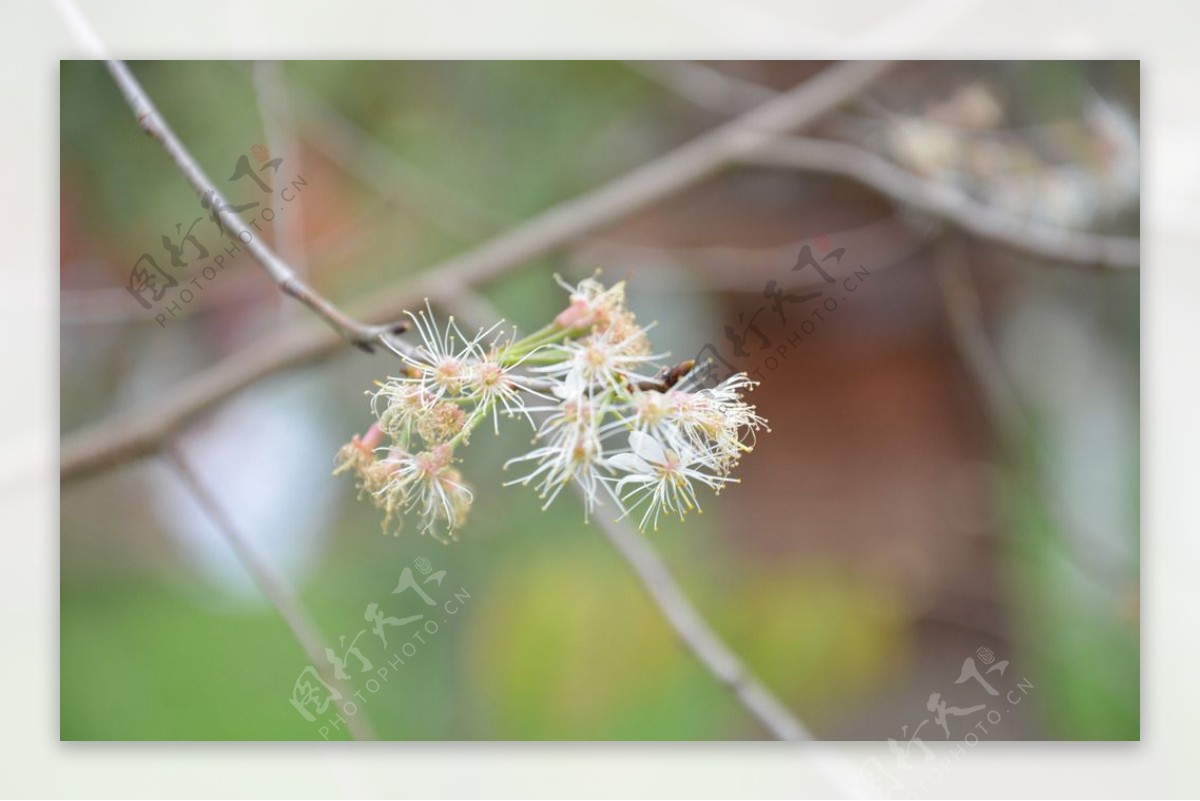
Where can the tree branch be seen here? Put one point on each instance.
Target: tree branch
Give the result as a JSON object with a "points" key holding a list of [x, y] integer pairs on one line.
{"points": [[285, 604], [139, 432], [962, 210], [698, 636], [280, 272]]}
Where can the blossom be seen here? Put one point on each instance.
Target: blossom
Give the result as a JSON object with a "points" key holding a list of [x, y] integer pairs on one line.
{"points": [[399, 406], [591, 304], [358, 456], [493, 383], [719, 417], [438, 366], [662, 478], [572, 451], [714, 420], [598, 380], [606, 359], [428, 484]]}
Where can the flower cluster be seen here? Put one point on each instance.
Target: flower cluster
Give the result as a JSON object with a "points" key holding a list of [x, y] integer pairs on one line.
{"points": [[607, 416]]}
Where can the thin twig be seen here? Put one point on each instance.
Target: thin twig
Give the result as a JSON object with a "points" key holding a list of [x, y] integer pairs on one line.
{"points": [[703, 86], [1003, 406], [964, 313], [943, 200], [285, 604], [153, 124], [698, 636], [385, 173], [138, 432], [279, 127]]}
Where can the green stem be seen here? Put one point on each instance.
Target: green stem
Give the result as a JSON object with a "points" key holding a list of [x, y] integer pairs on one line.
{"points": [[478, 415], [546, 334], [540, 358]]}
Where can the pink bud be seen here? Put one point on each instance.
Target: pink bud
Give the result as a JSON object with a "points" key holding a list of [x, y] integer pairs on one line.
{"points": [[578, 315], [373, 437]]}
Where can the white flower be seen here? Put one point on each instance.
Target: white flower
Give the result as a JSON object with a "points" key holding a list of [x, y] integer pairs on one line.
{"points": [[399, 405], [718, 417], [599, 380], [661, 477], [602, 309], [440, 363], [573, 451], [606, 360], [492, 383], [715, 421], [427, 484]]}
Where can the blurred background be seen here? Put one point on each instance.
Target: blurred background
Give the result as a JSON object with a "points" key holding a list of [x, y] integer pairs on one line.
{"points": [[952, 472]]}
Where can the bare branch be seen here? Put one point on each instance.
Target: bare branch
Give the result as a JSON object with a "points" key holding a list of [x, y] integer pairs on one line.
{"points": [[139, 432], [285, 604], [962, 210], [281, 273], [698, 636]]}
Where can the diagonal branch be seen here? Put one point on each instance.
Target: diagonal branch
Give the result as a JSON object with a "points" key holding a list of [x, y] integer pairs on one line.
{"points": [[708, 88], [280, 272], [385, 173], [695, 633], [723, 93], [942, 200], [139, 432]]}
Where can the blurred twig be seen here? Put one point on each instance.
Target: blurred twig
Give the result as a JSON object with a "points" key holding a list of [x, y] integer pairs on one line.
{"points": [[741, 268], [704, 86], [139, 432], [1002, 405], [942, 200], [960, 299], [279, 127], [285, 604], [723, 93], [384, 172]]}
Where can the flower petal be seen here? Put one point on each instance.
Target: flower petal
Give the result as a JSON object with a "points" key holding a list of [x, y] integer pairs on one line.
{"points": [[647, 447], [629, 463]]}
